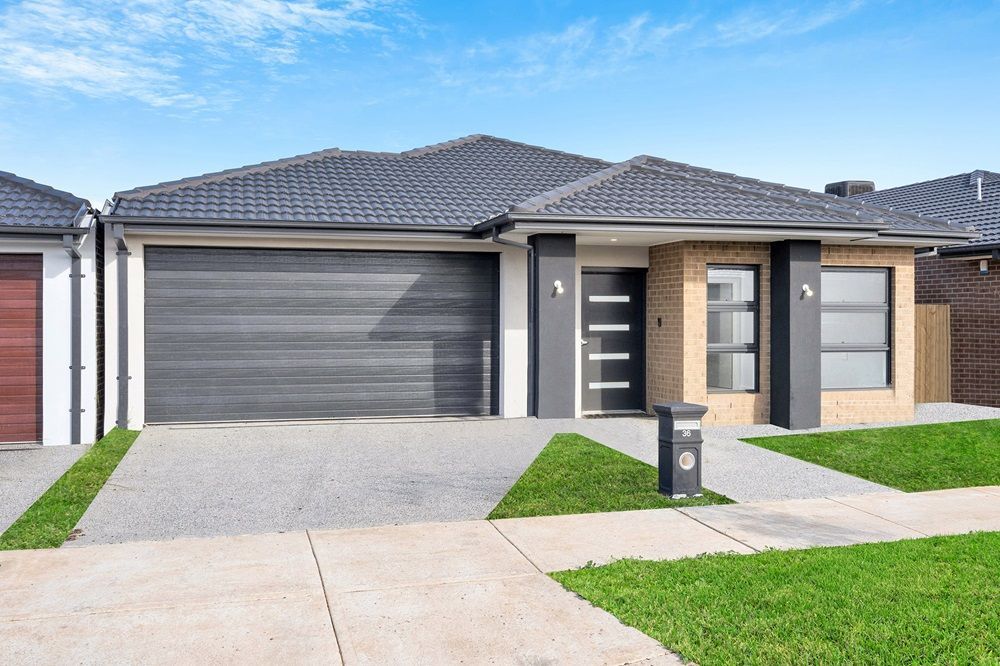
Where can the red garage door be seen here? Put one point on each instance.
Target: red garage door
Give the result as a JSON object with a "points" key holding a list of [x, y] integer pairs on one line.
{"points": [[20, 348]]}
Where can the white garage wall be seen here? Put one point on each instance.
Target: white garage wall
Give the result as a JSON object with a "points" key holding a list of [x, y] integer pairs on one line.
{"points": [[513, 305], [56, 325]]}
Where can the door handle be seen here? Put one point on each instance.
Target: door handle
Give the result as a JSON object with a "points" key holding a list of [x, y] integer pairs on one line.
{"points": [[584, 342]]}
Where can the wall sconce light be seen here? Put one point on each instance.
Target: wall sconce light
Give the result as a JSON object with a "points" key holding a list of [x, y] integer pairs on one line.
{"points": [[806, 291], [557, 287]]}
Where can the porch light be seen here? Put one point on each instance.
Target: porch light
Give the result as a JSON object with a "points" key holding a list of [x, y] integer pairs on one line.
{"points": [[807, 291], [558, 287]]}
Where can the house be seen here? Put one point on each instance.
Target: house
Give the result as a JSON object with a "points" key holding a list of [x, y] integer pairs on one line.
{"points": [[483, 277], [964, 277], [49, 375]]}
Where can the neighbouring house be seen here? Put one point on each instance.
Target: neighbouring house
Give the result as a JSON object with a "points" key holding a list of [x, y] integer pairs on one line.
{"points": [[49, 374], [965, 277], [484, 277]]}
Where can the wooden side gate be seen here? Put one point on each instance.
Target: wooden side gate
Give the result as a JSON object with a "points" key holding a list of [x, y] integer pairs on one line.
{"points": [[933, 354]]}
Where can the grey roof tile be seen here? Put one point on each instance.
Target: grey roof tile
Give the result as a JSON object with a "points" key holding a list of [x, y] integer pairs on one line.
{"points": [[476, 178], [639, 188], [954, 198], [460, 182], [25, 203]]}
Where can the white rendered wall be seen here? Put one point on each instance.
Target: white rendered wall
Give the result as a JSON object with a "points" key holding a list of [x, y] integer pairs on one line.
{"points": [[599, 256], [56, 326], [513, 305]]}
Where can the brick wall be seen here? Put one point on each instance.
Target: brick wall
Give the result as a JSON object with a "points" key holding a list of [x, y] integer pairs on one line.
{"points": [[894, 403], [676, 329], [975, 323], [676, 351]]}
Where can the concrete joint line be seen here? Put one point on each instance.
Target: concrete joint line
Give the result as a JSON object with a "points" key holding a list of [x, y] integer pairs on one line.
{"points": [[717, 530], [521, 552], [326, 597], [905, 527]]}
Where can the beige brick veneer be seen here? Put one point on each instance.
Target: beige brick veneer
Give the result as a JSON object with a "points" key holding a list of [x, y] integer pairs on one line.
{"points": [[677, 293], [894, 403], [676, 349]]}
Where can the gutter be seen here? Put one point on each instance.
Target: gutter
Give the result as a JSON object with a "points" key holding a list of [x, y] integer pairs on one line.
{"points": [[122, 254], [236, 224], [571, 223], [984, 251], [43, 231], [71, 244], [532, 378]]}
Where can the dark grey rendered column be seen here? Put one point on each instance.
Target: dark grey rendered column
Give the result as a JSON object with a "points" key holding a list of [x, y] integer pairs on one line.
{"points": [[556, 346], [795, 334]]}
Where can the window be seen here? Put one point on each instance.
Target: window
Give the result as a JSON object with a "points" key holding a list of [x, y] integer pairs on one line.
{"points": [[732, 328], [855, 328]]}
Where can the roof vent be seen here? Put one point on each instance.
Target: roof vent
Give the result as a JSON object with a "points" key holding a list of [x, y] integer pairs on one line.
{"points": [[850, 188]]}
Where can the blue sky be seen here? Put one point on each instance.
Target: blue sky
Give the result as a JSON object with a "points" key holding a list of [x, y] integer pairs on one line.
{"points": [[103, 95]]}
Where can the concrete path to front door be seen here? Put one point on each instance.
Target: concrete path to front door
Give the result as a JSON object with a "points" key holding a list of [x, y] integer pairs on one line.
{"points": [[182, 481], [471, 592]]}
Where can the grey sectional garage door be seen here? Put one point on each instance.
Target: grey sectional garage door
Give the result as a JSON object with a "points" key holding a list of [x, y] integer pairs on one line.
{"points": [[240, 334]]}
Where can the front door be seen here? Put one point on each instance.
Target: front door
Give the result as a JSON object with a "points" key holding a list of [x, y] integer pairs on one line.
{"points": [[613, 340]]}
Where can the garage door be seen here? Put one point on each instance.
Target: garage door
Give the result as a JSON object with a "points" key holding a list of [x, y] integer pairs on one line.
{"points": [[20, 348], [238, 334]]}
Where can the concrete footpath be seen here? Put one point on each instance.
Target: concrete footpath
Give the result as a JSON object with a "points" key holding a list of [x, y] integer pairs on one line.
{"points": [[435, 593]]}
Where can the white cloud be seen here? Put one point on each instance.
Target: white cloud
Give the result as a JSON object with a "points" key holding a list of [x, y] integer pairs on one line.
{"points": [[145, 49], [756, 24], [583, 50]]}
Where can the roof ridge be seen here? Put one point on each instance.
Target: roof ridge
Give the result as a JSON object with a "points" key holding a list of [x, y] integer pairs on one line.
{"points": [[47, 190], [835, 202], [443, 145], [214, 176], [171, 185], [860, 197], [831, 206], [537, 202]]}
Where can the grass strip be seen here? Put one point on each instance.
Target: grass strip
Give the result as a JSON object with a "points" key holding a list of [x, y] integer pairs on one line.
{"points": [[574, 474], [48, 521], [924, 601], [910, 458]]}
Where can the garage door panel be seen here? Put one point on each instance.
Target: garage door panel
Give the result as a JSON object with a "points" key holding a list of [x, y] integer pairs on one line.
{"points": [[270, 334], [20, 348]]}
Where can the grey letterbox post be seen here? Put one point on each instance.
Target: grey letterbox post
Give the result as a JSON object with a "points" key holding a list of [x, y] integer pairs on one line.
{"points": [[680, 448]]}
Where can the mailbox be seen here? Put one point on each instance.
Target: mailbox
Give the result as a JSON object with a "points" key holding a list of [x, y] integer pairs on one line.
{"points": [[680, 448]]}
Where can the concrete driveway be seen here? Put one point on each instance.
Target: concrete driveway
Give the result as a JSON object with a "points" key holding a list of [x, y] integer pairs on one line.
{"points": [[210, 481], [179, 481]]}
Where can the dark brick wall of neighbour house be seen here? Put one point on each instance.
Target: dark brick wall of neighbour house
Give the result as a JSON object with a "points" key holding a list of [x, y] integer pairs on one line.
{"points": [[975, 323]]}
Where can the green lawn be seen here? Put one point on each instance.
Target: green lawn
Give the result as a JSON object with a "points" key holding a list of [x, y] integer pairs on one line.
{"points": [[925, 601], [911, 458], [48, 521], [574, 474]]}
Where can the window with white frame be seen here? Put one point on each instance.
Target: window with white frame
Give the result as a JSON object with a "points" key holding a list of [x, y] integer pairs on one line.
{"points": [[732, 328], [856, 328]]}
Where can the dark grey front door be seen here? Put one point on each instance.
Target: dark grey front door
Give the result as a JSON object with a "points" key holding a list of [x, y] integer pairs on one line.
{"points": [[241, 334], [613, 343]]}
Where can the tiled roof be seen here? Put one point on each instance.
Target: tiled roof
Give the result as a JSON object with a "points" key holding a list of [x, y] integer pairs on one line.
{"points": [[461, 182], [640, 188], [954, 198], [25, 203], [477, 178]]}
